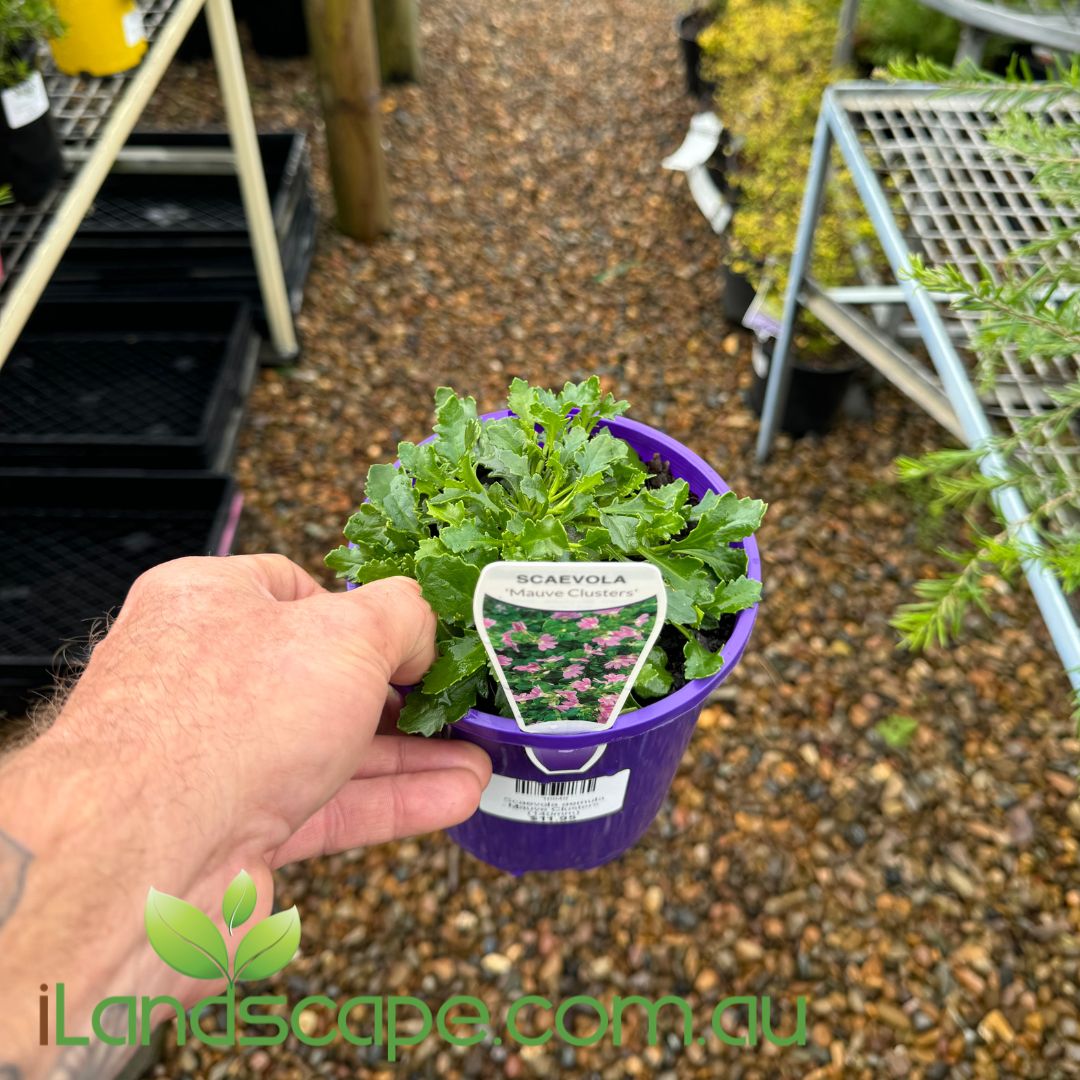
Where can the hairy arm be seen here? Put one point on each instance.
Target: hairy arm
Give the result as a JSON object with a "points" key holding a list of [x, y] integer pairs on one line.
{"points": [[235, 717]]}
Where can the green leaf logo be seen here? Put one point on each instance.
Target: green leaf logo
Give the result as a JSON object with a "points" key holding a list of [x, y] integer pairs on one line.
{"points": [[185, 938], [268, 947], [190, 943], [239, 901]]}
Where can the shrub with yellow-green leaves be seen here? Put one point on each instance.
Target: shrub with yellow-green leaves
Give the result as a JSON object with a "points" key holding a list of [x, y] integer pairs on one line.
{"points": [[771, 60]]}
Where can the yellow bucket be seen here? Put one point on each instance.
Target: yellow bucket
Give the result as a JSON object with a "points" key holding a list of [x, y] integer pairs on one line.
{"points": [[104, 37]]}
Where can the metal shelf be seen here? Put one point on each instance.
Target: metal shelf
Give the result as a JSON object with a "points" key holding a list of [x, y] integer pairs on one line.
{"points": [[933, 184], [1054, 24], [94, 117]]}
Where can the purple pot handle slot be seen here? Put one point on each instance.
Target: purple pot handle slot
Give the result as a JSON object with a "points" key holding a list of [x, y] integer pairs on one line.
{"points": [[574, 760]]}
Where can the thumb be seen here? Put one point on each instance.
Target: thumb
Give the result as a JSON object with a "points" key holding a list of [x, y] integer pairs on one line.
{"points": [[387, 621]]}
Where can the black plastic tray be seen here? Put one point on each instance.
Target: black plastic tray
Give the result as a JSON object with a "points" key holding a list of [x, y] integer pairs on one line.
{"points": [[132, 384], [72, 544], [189, 208], [183, 257]]}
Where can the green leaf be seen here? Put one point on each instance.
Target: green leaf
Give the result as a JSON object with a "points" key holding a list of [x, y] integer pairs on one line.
{"points": [[345, 560], [377, 569], [544, 539], [391, 491], [457, 428], [700, 663], [268, 946], [654, 679], [457, 658], [897, 731], [466, 537], [600, 453], [623, 530], [422, 464], [448, 584], [426, 714], [722, 519], [185, 938], [239, 901], [733, 596]]}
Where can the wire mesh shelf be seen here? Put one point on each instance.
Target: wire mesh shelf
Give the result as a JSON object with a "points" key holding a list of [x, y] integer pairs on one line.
{"points": [[1054, 24], [934, 183], [80, 108], [960, 199]]}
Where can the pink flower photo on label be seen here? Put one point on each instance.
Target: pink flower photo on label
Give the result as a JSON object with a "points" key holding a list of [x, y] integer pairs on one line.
{"points": [[489, 623], [560, 668]]}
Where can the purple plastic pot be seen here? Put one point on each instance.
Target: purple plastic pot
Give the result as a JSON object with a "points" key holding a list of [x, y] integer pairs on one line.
{"points": [[621, 774]]}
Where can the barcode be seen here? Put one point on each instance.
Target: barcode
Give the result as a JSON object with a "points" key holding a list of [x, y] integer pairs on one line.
{"points": [[555, 788]]}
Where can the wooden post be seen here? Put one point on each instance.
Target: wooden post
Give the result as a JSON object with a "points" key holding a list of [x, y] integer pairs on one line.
{"points": [[399, 46], [346, 66]]}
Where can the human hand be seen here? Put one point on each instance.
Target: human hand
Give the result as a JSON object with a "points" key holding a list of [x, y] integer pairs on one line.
{"points": [[237, 715]]}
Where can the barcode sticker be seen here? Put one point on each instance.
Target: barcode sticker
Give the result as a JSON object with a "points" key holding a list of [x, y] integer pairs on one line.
{"points": [[555, 802], [134, 30], [24, 103]]}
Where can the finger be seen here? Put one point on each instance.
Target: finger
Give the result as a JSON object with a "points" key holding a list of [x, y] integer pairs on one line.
{"points": [[280, 578], [387, 808], [389, 754], [391, 711], [386, 623]]}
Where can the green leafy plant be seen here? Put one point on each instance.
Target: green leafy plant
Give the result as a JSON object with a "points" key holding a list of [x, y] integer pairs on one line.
{"points": [[772, 61], [186, 939], [23, 23], [1030, 315], [547, 483]]}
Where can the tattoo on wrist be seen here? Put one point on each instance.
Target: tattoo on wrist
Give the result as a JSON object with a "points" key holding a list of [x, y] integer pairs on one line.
{"points": [[14, 861]]}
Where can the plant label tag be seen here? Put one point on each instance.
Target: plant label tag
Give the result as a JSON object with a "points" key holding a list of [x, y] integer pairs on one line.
{"points": [[763, 316], [134, 30], [555, 802], [567, 640], [24, 103]]}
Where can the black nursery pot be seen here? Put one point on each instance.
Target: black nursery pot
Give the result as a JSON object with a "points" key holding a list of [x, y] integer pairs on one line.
{"points": [[687, 27], [30, 159], [813, 399], [278, 27], [737, 296]]}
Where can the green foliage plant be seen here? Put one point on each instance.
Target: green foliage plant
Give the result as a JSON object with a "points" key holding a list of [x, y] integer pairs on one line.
{"points": [[772, 62], [547, 483], [23, 23], [1029, 307]]}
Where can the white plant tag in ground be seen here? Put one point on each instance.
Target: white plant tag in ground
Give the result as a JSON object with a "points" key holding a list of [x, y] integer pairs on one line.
{"points": [[24, 103], [555, 802], [567, 640]]}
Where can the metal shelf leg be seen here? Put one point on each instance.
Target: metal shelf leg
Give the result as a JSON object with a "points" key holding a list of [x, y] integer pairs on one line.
{"points": [[234, 93], [776, 390]]}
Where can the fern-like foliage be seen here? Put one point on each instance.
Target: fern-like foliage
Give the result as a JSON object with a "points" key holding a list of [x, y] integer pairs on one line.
{"points": [[1028, 313]]}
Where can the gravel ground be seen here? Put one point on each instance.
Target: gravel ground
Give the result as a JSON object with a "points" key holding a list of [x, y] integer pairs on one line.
{"points": [[926, 900]]}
